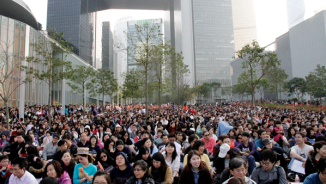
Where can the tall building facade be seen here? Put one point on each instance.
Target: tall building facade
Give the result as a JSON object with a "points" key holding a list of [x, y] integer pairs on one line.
{"points": [[213, 40], [106, 45], [296, 10], [244, 23]]}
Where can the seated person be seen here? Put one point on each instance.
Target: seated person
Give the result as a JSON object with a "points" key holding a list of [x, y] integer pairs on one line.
{"points": [[238, 168], [268, 172], [318, 177]]}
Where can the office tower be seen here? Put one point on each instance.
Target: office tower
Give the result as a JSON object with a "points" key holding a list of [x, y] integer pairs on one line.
{"points": [[213, 40], [106, 45], [295, 11], [244, 23]]}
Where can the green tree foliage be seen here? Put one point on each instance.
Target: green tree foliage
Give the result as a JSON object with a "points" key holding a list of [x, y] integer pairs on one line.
{"points": [[80, 77], [205, 89], [51, 59], [297, 86], [103, 83], [277, 78], [257, 64], [262, 86], [130, 88], [316, 82], [240, 89]]}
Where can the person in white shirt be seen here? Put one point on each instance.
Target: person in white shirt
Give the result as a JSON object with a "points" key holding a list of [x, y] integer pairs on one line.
{"points": [[300, 151], [19, 173]]}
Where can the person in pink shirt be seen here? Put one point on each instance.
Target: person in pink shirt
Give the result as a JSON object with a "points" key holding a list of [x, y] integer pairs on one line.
{"points": [[209, 142]]}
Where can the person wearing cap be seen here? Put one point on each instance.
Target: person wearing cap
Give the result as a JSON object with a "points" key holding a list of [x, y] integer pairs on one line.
{"points": [[268, 172], [85, 170], [51, 148]]}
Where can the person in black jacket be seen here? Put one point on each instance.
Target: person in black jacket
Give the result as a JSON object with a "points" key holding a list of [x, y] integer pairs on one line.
{"points": [[314, 156]]}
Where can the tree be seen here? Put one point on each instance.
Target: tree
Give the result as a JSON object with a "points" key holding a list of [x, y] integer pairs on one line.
{"points": [[240, 89], [205, 89], [316, 82], [51, 56], [257, 63], [103, 83], [262, 85], [131, 85], [277, 77], [182, 90], [297, 87], [9, 81], [80, 77]]}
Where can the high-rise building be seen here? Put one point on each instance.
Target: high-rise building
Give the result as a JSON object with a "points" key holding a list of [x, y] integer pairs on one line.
{"points": [[213, 40], [295, 11], [244, 23], [106, 45]]}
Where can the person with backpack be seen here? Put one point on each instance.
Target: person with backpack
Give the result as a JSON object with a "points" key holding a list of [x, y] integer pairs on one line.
{"points": [[268, 172]]}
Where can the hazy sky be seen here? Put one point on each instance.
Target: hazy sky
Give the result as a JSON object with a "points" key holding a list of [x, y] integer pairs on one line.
{"points": [[271, 15]]}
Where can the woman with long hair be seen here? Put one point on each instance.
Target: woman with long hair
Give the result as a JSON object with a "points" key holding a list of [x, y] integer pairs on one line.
{"points": [[101, 177], [93, 129], [150, 146], [109, 147], [67, 163], [123, 170], [93, 147], [120, 147], [141, 174], [172, 159], [126, 138], [54, 170], [160, 171], [199, 146], [100, 133], [195, 167], [143, 154], [314, 156], [84, 171]]}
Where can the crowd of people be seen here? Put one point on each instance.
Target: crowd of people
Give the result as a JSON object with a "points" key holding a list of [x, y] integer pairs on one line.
{"points": [[229, 143]]}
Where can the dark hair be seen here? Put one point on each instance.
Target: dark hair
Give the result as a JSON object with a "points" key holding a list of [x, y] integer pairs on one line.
{"points": [[171, 135], [197, 144], [2, 157], [49, 180], [236, 181], [321, 164], [57, 167], [319, 145], [98, 155], [123, 155], [246, 134], [21, 162], [277, 122], [33, 150], [260, 132], [300, 133], [89, 158], [268, 155], [102, 173], [61, 142], [143, 165], [320, 138], [174, 154], [107, 143], [192, 138], [142, 151], [92, 137], [143, 143], [222, 137], [66, 136], [237, 162], [160, 158], [190, 155]]}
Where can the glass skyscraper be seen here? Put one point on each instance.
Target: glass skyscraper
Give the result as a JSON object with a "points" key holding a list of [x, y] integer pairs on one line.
{"points": [[213, 40]]}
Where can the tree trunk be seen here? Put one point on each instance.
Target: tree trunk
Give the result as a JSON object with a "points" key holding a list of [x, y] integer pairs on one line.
{"points": [[84, 105], [103, 100], [146, 95], [50, 102], [7, 114], [159, 97]]}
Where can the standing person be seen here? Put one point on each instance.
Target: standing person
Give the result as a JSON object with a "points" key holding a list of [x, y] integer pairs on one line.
{"points": [[318, 177], [196, 171], [19, 173], [123, 171], [141, 174], [54, 170], [160, 171], [85, 170], [268, 172], [247, 150], [209, 142], [50, 148]]}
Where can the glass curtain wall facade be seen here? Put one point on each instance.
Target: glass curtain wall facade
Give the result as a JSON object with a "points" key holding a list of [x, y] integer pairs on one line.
{"points": [[15, 41], [214, 40]]}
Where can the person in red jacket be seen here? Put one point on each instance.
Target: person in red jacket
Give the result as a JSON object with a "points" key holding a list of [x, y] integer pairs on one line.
{"points": [[172, 128]]}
